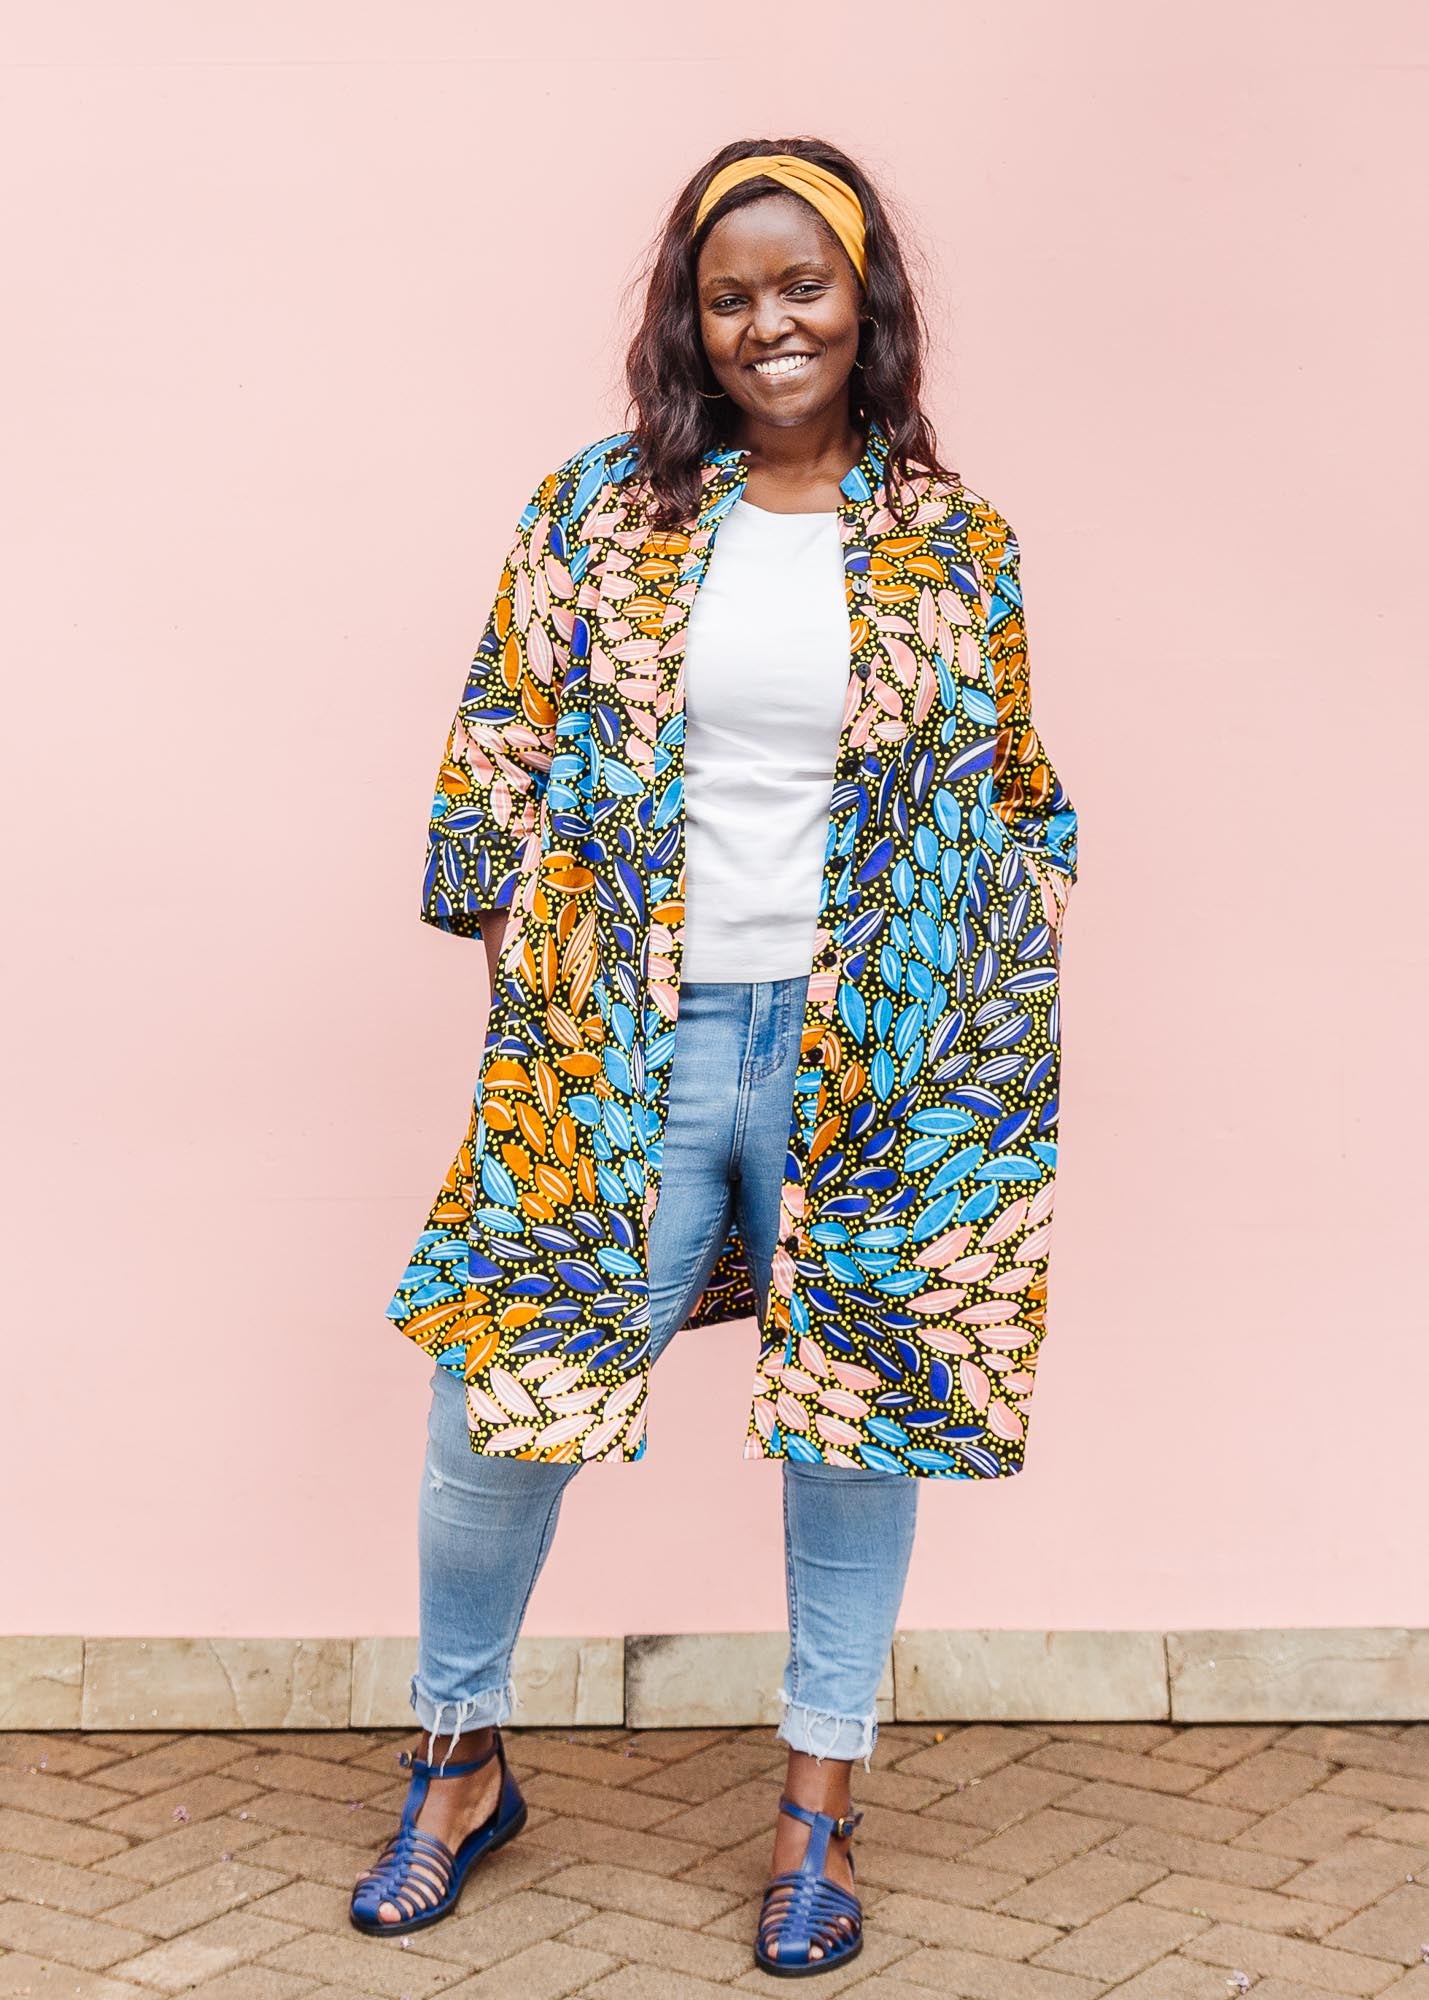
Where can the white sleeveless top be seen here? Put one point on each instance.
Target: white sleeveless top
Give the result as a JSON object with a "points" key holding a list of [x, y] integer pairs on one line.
{"points": [[766, 669]]}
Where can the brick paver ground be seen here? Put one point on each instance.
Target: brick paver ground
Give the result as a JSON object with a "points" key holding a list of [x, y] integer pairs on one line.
{"points": [[1025, 1863]]}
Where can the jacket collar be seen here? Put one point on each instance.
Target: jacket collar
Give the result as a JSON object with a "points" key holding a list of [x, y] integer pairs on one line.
{"points": [[860, 483]]}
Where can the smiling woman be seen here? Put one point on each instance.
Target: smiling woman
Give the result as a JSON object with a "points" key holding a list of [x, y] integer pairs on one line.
{"points": [[744, 796], [796, 315]]}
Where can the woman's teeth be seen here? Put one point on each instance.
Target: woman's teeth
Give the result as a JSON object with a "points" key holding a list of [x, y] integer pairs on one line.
{"points": [[785, 364]]}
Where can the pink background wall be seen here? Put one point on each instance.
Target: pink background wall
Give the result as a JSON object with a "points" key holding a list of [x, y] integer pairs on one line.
{"points": [[306, 299]]}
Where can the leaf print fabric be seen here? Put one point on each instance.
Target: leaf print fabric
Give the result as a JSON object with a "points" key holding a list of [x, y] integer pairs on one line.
{"points": [[907, 1300]]}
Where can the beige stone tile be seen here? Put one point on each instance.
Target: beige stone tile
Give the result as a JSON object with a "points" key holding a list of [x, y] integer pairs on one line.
{"points": [[335, 1746], [23, 1974], [1118, 1767], [130, 1742], [1262, 1953], [355, 1964], [1232, 1903], [633, 1982], [68, 1754], [1122, 1942], [61, 1935], [217, 1683], [666, 1745], [543, 1973], [29, 1879], [169, 1765], [55, 1839], [1178, 1978], [1397, 1927], [1173, 1851], [1135, 1807], [193, 1899], [1404, 1756], [209, 1797], [1381, 1788], [1265, 1781], [623, 1936], [1215, 1746], [337, 1863], [971, 1976], [1308, 1675], [180, 1852], [1137, 1739], [967, 1754], [999, 1799], [1311, 1828], [347, 1820], [624, 1847], [1023, 1676], [202, 1954], [258, 1982], [313, 1777], [711, 1772], [41, 1681], [931, 1921], [1360, 1872], [713, 1679], [635, 1894], [1079, 1890], [322, 1906], [55, 1796], [1041, 1841], [175, 1763], [898, 1868]]}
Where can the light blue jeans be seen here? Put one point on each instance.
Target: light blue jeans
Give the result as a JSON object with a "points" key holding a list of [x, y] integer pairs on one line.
{"points": [[486, 1523]]}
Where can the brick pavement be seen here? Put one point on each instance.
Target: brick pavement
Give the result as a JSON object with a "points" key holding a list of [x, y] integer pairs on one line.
{"points": [[1036, 1862]]}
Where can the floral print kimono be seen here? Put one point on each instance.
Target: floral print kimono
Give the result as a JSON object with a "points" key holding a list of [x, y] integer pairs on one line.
{"points": [[907, 1300]]}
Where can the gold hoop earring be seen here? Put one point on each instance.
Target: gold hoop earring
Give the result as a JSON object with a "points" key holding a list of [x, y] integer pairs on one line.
{"points": [[866, 319], [710, 394]]}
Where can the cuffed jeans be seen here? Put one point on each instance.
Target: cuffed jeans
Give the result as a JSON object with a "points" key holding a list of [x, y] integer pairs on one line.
{"points": [[486, 1523]]}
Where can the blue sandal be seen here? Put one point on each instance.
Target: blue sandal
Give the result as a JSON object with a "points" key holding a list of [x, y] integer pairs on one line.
{"points": [[414, 1867], [810, 1914]]}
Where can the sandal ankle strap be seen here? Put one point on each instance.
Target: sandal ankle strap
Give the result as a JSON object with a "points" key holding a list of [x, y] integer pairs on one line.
{"points": [[429, 1770], [840, 1826]]}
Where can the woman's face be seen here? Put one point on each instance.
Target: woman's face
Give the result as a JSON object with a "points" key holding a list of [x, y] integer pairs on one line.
{"points": [[773, 282]]}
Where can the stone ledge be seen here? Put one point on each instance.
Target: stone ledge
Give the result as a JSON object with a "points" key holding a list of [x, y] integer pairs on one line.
{"points": [[729, 1679], [1353, 1674], [1031, 1676]]}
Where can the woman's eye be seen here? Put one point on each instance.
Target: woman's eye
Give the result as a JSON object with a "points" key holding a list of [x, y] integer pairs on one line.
{"points": [[734, 298]]}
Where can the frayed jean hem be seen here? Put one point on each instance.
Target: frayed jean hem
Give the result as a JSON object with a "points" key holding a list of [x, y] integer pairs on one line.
{"points": [[480, 1711], [820, 1734]]}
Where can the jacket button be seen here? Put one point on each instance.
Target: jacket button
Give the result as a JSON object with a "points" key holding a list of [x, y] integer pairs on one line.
{"points": [[791, 1242], [863, 670]]}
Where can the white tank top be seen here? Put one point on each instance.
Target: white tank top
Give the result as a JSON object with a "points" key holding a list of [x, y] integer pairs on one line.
{"points": [[766, 669]]}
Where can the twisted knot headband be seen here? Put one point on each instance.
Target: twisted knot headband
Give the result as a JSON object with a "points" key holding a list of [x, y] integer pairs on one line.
{"points": [[832, 197]]}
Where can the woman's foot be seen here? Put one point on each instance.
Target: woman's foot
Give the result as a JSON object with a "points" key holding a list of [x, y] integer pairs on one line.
{"points": [[455, 1806], [822, 1786]]}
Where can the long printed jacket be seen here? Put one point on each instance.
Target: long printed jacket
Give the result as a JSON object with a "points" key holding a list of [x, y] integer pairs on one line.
{"points": [[907, 1300]]}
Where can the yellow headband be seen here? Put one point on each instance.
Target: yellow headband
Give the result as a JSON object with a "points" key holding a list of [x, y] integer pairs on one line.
{"points": [[833, 198]]}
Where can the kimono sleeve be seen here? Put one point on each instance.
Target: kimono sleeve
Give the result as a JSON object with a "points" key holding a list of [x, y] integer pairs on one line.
{"points": [[502, 738], [1028, 794]]}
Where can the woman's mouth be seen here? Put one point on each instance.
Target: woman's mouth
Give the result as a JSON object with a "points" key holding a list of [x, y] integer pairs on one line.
{"points": [[780, 365]]}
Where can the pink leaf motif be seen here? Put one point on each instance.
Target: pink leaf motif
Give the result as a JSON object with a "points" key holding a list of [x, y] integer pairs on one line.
{"points": [[976, 1386]]}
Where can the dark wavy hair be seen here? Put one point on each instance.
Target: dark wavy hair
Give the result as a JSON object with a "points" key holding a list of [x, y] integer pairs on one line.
{"points": [[665, 364]]}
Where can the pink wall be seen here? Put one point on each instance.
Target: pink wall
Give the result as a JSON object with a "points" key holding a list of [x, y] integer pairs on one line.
{"points": [[307, 298]]}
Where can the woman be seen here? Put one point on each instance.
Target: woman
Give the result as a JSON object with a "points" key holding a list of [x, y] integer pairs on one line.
{"points": [[745, 800]]}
